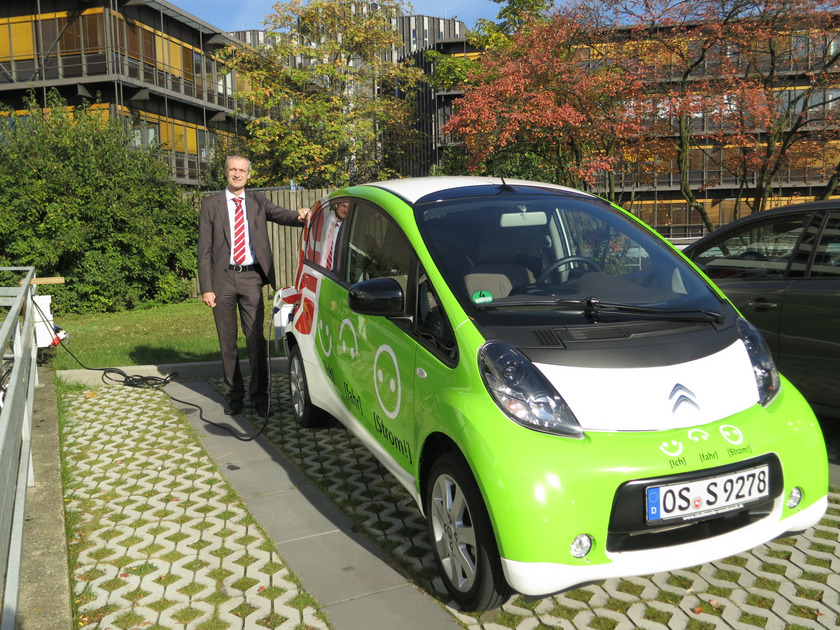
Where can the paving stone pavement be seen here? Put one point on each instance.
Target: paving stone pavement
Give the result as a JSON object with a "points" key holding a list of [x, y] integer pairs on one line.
{"points": [[162, 542], [158, 539]]}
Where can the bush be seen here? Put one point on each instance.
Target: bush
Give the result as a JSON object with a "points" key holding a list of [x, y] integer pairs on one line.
{"points": [[82, 203]]}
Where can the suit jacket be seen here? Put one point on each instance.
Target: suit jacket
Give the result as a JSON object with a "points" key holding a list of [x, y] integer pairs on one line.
{"points": [[214, 238]]}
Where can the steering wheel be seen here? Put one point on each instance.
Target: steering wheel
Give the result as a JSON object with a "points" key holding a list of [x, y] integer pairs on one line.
{"points": [[544, 275]]}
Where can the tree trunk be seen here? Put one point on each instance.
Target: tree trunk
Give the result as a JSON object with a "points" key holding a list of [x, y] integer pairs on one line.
{"points": [[683, 163]]}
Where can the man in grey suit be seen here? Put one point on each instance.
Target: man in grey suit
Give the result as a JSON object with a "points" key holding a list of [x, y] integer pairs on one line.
{"points": [[231, 275]]}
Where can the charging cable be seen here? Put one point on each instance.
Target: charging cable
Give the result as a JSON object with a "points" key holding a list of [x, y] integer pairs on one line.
{"points": [[113, 375], [120, 377]]}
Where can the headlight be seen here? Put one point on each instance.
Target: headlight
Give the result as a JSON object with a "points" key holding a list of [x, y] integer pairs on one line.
{"points": [[764, 368], [523, 392]]}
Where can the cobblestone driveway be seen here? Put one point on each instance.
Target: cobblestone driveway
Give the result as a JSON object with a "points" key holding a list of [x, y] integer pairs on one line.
{"points": [[157, 538], [160, 542], [790, 583]]}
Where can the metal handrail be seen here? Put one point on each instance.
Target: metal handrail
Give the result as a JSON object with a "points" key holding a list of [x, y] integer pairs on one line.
{"points": [[17, 339]]}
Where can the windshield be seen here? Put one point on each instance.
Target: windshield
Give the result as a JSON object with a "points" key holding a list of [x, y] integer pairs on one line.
{"points": [[558, 255]]}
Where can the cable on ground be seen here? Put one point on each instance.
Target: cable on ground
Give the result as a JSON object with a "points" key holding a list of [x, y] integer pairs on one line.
{"points": [[120, 377]]}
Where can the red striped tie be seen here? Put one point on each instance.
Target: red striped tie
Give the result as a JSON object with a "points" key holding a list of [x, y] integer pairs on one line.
{"points": [[239, 232], [330, 243]]}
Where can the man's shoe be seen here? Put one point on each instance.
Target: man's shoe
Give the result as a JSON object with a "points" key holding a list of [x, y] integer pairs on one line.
{"points": [[233, 407], [264, 409]]}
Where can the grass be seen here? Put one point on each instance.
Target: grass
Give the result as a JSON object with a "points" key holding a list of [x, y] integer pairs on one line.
{"points": [[176, 333]]}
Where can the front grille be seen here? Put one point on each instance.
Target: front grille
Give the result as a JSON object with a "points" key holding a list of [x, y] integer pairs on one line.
{"points": [[629, 531]]}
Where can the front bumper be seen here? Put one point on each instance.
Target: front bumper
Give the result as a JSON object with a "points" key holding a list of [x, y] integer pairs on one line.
{"points": [[554, 489], [544, 578]]}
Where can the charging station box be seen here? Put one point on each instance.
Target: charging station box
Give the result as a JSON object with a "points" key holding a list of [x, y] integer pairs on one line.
{"points": [[44, 326]]}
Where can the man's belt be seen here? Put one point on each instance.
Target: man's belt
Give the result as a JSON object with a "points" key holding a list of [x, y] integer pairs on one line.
{"points": [[241, 268]]}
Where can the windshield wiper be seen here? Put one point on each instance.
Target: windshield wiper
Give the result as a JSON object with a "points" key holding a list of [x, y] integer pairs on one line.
{"points": [[593, 307]]}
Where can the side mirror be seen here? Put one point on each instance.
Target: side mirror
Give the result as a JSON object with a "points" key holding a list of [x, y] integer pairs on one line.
{"points": [[380, 296]]}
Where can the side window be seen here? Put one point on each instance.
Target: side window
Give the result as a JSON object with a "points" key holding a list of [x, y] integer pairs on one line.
{"points": [[827, 258], [325, 227], [377, 248], [433, 328], [312, 237], [757, 251], [334, 223], [605, 244]]}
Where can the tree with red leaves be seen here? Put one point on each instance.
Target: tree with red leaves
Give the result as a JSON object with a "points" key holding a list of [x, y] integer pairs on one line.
{"points": [[556, 91], [734, 92]]}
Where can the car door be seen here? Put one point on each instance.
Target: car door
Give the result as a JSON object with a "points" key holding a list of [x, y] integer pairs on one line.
{"points": [[324, 283], [436, 359], [809, 341], [751, 265], [375, 355]]}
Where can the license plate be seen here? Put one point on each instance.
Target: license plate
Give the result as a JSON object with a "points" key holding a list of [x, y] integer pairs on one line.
{"points": [[706, 497]]}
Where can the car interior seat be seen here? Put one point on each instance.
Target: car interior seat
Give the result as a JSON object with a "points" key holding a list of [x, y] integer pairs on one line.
{"points": [[494, 269]]}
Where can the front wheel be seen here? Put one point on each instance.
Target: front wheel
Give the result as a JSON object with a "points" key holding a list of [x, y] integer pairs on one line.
{"points": [[463, 543], [307, 415]]}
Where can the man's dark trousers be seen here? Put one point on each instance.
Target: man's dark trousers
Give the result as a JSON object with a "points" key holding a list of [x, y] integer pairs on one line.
{"points": [[242, 290]]}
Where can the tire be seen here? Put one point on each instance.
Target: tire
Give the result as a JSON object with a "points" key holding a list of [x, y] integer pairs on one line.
{"points": [[307, 415], [463, 543]]}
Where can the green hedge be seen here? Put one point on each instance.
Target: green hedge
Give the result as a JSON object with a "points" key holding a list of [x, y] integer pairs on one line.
{"points": [[81, 202]]}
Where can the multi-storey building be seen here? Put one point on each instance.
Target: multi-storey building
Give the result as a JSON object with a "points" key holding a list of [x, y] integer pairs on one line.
{"points": [[420, 32], [146, 60], [151, 62], [800, 71], [657, 198], [434, 107]]}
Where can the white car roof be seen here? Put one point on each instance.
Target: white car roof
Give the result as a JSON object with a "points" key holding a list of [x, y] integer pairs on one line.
{"points": [[413, 188]]}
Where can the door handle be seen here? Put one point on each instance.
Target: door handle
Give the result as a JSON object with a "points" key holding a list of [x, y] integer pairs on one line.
{"points": [[761, 304]]}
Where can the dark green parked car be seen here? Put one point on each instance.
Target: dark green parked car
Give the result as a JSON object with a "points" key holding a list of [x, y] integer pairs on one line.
{"points": [[781, 268]]}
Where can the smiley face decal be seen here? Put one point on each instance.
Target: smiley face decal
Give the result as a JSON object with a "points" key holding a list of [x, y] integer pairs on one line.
{"points": [[351, 335], [674, 449], [324, 333], [386, 380], [731, 434], [696, 435]]}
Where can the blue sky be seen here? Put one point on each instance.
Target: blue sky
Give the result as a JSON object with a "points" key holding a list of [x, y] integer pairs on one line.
{"points": [[249, 14]]}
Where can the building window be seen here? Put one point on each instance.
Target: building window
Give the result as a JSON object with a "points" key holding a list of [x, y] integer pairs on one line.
{"points": [[144, 135]]}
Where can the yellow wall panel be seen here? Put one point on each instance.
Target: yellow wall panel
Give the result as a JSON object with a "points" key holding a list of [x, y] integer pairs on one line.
{"points": [[175, 63], [161, 59], [192, 140], [179, 131], [165, 135], [23, 42], [5, 41]]}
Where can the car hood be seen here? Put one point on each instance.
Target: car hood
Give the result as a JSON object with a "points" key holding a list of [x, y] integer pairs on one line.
{"points": [[654, 398]]}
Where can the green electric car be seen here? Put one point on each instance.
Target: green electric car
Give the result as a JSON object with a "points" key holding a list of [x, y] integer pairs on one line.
{"points": [[566, 397]]}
